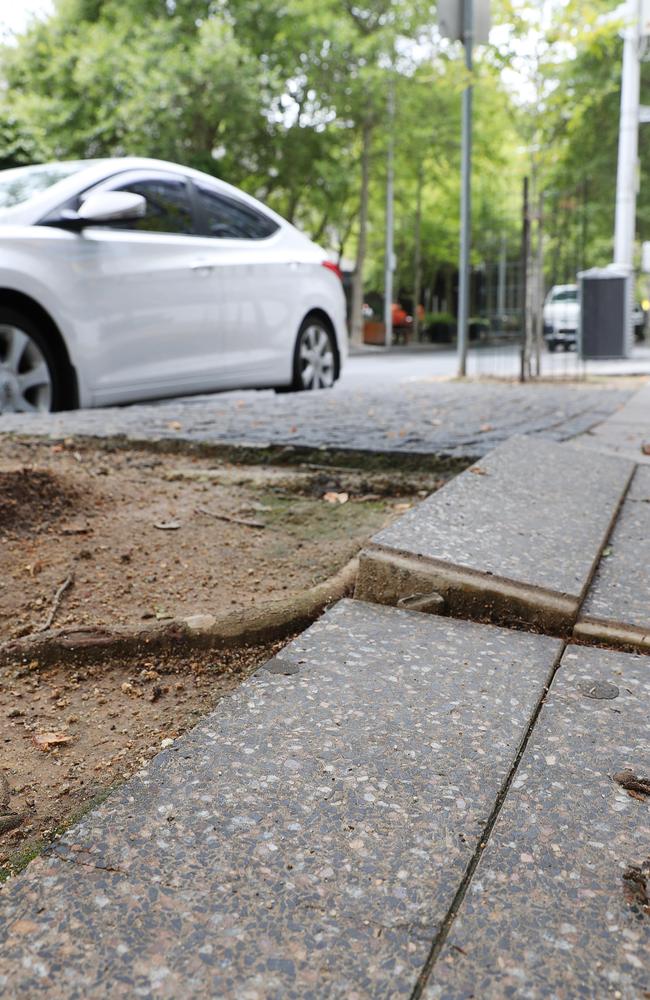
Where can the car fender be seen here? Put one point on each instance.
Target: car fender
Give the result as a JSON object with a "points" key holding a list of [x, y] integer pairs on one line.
{"points": [[326, 295], [21, 276]]}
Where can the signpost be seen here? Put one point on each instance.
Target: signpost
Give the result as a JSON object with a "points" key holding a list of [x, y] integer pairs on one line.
{"points": [[467, 21]]}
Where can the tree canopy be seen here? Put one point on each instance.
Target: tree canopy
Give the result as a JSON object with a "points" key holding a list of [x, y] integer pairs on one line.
{"points": [[285, 98]]}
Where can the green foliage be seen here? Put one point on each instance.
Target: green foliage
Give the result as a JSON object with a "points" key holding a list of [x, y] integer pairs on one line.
{"points": [[275, 95]]}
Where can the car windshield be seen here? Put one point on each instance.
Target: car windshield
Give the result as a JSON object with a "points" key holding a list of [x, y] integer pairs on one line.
{"points": [[22, 183], [566, 295]]}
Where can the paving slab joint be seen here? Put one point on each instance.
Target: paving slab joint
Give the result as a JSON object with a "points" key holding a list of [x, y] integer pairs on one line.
{"points": [[608, 617], [443, 933]]}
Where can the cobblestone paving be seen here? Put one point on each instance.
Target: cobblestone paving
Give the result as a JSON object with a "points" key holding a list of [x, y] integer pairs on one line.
{"points": [[464, 420]]}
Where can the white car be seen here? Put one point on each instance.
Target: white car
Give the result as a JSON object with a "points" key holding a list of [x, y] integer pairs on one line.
{"points": [[131, 279], [561, 317]]}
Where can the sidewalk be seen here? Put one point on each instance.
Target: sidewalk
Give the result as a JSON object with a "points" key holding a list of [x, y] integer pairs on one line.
{"points": [[400, 804]]}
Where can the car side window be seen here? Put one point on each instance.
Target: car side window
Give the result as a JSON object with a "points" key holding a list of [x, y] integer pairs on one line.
{"points": [[228, 219], [169, 209]]}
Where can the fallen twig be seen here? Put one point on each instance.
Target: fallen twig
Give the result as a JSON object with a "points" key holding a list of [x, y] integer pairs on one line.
{"points": [[69, 580], [228, 517]]}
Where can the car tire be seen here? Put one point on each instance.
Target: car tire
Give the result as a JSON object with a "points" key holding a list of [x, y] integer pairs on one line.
{"points": [[552, 346], [314, 357], [31, 380]]}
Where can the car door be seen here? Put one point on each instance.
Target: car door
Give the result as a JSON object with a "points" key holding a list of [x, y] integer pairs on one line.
{"points": [[249, 287], [141, 284]]}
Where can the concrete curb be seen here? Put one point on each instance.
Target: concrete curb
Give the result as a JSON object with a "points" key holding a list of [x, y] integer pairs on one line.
{"points": [[628, 638], [514, 541], [269, 621], [398, 579]]}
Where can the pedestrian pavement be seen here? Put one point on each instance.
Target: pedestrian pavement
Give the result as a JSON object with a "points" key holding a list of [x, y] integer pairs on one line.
{"points": [[557, 905], [399, 804], [625, 431], [514, 538], [307, 839], [459, 419]]}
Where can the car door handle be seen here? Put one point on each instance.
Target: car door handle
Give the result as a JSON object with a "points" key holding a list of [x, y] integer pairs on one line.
{"points": [[202, 268]]}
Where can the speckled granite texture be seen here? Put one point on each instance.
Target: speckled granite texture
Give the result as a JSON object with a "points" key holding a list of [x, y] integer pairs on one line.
{"points": [[625, 431], [307, 839], [620, 592], [549, 913], [533, 512]]}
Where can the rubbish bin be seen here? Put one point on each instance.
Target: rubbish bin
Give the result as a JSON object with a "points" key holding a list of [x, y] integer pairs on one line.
{"points": [[606, 300]]}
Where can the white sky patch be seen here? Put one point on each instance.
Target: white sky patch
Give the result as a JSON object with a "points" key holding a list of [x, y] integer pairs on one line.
{"points": [[15, 15]]}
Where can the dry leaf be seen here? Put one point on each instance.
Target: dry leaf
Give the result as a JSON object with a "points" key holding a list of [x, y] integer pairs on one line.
{"points": [[336, 497], [402, 506], [484, 428], [46, 741], [174, 425], [478, 471]]}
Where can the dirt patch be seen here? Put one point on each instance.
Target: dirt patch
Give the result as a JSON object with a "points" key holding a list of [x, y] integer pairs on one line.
{"points": [[31, 499], [70, 735], [156, 537], [93, 536]]}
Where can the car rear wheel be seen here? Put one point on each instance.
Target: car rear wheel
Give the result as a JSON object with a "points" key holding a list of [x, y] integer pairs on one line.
{"points": [[29, 381], [314, 365]]}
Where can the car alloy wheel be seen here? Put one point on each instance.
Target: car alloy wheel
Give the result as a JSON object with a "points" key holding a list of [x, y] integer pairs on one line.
{"points": [[316, 363], [25, 376]]}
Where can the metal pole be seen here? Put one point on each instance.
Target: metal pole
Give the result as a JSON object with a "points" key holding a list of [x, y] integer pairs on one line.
{"points": [[389, 262], [539, 288], [501, 287], [626, 176], [525, 253], [465, 193]]}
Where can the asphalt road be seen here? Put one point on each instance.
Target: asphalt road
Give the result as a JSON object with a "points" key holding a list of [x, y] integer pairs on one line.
{"points": [[415, 364]]}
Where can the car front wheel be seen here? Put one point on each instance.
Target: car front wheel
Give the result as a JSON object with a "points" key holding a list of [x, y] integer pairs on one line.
{"points": [[314, 360], [28, 375]]}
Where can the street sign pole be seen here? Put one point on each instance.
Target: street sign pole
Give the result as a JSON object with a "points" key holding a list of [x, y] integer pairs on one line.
{"points": [[389, 263], [626, 176], [465, 193]]}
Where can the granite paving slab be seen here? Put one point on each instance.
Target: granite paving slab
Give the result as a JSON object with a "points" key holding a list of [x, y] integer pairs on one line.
{"points": [[306, 839], [444, 418], [625, 431], [514, 538], [558, 906], [617, 607]]}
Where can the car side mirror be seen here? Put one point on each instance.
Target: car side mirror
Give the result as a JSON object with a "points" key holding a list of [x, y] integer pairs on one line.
{"points": [[111, 206]]}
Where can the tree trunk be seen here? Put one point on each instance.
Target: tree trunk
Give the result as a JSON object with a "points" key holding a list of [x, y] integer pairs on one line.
{"points": [[417, 264], [356, 325]]}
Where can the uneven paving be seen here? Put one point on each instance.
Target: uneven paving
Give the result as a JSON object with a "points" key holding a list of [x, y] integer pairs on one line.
{"points": [[458, 419], [557, 906], [617, 607], [307, 839], [626, 430], [516, 537]]}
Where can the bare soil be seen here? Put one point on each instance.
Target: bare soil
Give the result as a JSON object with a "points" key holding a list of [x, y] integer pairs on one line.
{"points": [[138, 535], [142, 535]]}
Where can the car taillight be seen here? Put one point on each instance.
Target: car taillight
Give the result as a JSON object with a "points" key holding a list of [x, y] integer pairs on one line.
{"points": [[331, 266]]}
